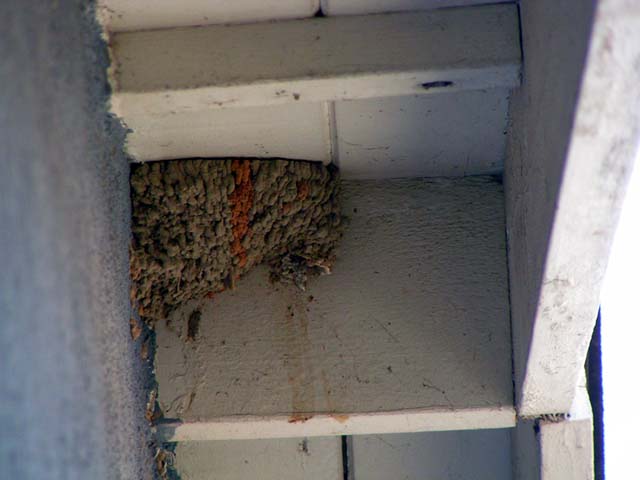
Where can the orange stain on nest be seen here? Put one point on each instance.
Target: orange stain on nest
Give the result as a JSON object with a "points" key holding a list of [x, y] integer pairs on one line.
{"points": [[303, 190], [241, 201]]}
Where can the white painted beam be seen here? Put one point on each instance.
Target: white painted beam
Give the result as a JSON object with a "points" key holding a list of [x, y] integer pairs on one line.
{"points": [[322, 59], [464, 455], [566, 450], [573, 140], [556, 447], [409, 333], [364, 7], [283, 459], [297, 131], [566, 446], [447, 135], [123, 15], [250, 427]]}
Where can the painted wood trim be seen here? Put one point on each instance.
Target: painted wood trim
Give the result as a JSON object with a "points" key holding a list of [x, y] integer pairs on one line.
{"points": [[296, 131], [321, 59], [566, 446], [556, 446], [247, 427], [447, 135], [272, 459], [455, 455], [552, 329], [133, 15], [365, 7]]}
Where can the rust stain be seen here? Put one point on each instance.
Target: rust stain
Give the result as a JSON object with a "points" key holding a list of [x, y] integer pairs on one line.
{"points": [[241, 200], [340, 418], [299, 418], [134, 269], [298, 364], [144, 350], [303, 193], [303, 190], [133, 292], [136, 330]]}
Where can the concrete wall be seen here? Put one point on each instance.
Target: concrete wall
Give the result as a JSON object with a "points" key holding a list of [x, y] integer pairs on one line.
{"points": [[71, 403]]}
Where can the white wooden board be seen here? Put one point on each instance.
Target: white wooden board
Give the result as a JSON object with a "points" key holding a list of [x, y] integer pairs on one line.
{"points": [[453, 134], [566, 450], [463, 455], [318, 458], [573, 141], [410, 333], [299, 131], [180, 90], [120, 15], [319, 59], [566, 447], [363, 7], [555, 447]]}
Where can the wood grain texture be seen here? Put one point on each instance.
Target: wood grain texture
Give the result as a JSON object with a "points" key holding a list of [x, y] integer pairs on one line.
{"points": [[296, 131], [320, 59], [131, 15], [414, 318], [446, 135], [323, 47], [244, 427], [573, 141], [275, 459], [364, 7], [564, 446], [466, 455], [258, 90]]}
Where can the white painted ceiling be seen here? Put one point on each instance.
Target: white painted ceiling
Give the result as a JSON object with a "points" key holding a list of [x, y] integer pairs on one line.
{"points": [[447, 134], [128, 15], [363, 7]]}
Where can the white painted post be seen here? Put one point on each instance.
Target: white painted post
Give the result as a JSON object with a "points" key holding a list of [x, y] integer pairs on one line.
{"points": [[574, 133]]}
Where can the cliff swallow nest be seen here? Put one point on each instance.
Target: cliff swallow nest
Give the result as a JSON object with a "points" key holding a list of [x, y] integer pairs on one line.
{"points": [[198, 225]]}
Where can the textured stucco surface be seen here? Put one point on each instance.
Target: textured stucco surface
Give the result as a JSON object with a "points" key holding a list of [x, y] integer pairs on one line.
{"points": [[71, 398], [414, 317]]}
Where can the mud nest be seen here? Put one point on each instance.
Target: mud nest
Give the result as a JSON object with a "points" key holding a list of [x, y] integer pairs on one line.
{"points": [[198, 225]]}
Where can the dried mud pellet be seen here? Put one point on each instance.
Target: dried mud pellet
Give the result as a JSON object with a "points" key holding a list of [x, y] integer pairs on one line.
{"points": [[198, 225]]}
